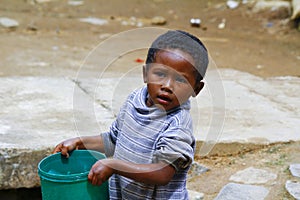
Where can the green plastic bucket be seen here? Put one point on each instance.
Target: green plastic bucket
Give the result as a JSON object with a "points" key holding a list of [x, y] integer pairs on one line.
{"points": [[66, 178]]}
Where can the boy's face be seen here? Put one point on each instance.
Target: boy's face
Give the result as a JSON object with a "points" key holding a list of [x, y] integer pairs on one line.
{"points": [[171, 79]]}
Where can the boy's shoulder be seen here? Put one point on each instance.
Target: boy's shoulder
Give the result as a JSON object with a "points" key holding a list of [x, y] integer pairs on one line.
{"points": [[135, 92]]}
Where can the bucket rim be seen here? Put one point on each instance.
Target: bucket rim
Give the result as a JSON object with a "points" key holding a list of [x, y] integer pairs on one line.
{"points": [[76, 177]]}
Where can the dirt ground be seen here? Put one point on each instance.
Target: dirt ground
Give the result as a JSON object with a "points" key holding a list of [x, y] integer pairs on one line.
{"points": [[275, 158], [264, 44]]}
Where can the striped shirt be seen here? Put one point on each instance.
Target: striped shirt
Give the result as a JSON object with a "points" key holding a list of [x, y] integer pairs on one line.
{"points": [[143, 135]]}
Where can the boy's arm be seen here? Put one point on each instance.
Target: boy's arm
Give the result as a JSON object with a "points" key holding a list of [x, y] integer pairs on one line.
{"points": [[155, 174], [86, 142]]}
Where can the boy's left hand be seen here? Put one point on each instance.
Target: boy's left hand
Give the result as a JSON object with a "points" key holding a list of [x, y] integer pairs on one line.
{"points": [[100, 172]]}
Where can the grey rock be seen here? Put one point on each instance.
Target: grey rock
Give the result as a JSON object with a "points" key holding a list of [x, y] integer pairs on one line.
{"points": [[232, 4], [276, 9], [8, 23], [194, 195], [295, 170], [253, 176], [296, 9], [293, 188], [94, 21], [197, 169], [158, 20], [19, 167], [233, 191]]}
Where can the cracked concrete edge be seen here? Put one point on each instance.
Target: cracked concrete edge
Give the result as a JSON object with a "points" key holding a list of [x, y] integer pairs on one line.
{"points": [[19, 167], [234, 148]]}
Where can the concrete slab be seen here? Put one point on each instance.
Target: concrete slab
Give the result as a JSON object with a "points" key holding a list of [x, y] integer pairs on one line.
{"points": [[234, 107], [38, 112]]}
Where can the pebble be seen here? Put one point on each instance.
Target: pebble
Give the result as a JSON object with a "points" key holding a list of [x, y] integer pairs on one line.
{"points": [[234, 191], [222, 24], [295, 170], [94, 21], [75, 2], [197, 169], [158, 20], [195, 22], [276, 9], [232, 4], [253, 176], [194, 195], [8, 23], [293, 187]]}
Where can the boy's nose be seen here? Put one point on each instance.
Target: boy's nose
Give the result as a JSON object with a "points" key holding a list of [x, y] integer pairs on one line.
{"points": [[168, 85]]}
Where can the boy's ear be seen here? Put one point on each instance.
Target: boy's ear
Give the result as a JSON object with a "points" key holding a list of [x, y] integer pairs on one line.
{"points": [[144, 73], [199, 86]]}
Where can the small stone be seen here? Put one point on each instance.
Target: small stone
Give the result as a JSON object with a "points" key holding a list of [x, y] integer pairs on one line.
{"points": [[273, 9], [8, 23], [194, 195], [197, 169], [158, 20], [232, 4], [75, 2], [253, 176], [32, 27], [296, 10], [222, 24], [195, 22], [233, 191], [293, 188], [94, 21], [295, 170], [259, 67]]}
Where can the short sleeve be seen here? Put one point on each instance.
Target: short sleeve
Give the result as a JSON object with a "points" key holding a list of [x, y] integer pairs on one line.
{"points": [[176, 147]]}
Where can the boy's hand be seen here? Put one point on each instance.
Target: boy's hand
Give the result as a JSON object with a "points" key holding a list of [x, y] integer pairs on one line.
{"points": [[100, 172], [66, 146]]}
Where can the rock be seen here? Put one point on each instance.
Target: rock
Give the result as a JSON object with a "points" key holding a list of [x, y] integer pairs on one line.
{"points": [[253, 176], [293, 188], [197, 169], [8, 23], [158, 20], [75, 2], [193, 195], [295, 170], [222, 24], [232, 4], [274, 9], [94, 21], [43, 1], [19, 167], [296, 9], [233, 191], [195, 22]]}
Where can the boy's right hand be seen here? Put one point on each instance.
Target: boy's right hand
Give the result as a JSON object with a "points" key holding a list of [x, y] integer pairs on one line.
{"points": [[66, 146]]}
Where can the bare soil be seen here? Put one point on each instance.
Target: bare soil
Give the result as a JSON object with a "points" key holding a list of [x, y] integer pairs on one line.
{"points": [[275, 158], [264, 44]]}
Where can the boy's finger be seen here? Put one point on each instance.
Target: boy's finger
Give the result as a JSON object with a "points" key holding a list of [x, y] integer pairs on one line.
{"points": [[64, 151]]}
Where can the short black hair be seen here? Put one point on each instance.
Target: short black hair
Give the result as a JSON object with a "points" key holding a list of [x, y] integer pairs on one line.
{"points": [[184, 41]]}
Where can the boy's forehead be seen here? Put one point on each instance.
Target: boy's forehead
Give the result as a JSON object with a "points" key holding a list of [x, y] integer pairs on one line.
{"points": [[177, 61], [175, 53]]}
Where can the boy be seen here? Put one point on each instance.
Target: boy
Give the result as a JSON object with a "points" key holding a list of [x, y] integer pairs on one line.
{"points": [[150, 145]]}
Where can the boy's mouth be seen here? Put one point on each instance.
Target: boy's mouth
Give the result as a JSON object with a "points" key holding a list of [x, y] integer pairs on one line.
{"points": [[163, 99]]}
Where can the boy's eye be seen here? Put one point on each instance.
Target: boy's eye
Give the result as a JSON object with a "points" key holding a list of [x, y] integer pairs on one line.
{"points": [[160, 74], [181, 79]]}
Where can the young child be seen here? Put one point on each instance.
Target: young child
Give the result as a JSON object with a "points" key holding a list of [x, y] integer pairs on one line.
{"points": [[150, 146]]}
